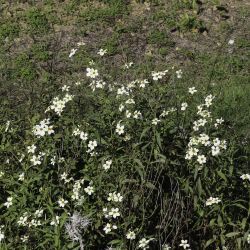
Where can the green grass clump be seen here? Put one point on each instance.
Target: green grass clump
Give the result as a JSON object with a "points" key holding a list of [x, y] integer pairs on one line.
{"points": [[107, 13], [24, 69], [160, 38], [37, 22], [8, 30], [40, 52]]}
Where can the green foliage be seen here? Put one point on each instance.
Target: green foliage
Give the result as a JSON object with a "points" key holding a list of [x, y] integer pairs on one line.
{"points": [[107, 13], [24, 69], [8, 30], [150, 168], [160, 38], [188, 22], [37, 22], [40, 52]]}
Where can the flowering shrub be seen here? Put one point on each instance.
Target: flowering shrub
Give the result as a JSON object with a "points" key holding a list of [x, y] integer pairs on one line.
{"points": [[132, 164]]}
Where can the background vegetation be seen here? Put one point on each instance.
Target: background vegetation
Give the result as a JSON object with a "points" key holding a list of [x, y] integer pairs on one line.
{"points": [[207, 40]]}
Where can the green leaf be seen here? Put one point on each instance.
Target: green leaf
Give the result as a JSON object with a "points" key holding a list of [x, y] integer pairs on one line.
{"points": [[158, 139], [209, 242], [114, 242], [232, 234], [139, 168], [220, 221], [144, 131], [222, 175], [243, 223], [150, 185]]}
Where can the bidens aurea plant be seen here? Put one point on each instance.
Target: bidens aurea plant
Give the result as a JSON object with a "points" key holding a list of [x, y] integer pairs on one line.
{"points": [[125, 164]]}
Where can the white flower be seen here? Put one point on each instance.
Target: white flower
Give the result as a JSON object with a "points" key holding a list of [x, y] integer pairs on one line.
{"points": [[21, 177], [102, 52], [34, 223], [89, 190], [76, 190], [121, 107], [184, 106], [81, 43], [61, 159], [223, 144], [128, 114], [78, 83], [184, 244], [248, 238], [166, 247], [191, 152], [179, 73], [116, 197], [92, 145], [23, 220], [215, 150], [130, 101], [72, 52], [83, 136], [21, 158], [192, 90], [107, 164], [9, 202], [208, 100], [122, 91], [31, 149], [218, 122], [64, 177], [164, 113], [105, 211], [137, 114], [1, 174], [53, 160], [41, 128], [55, 221], [155, 121], [97, 84], [201, 159], [38, 213], [216, 142], [1, 234], [59, 104], [143, 83], [143, 243], [130, 235], [119, 129], [108, 228], [231, 42], [198, 124], [36, 160], [92, 73], [65, 88], [204, 139], [128, 65], [245, 177], [76, 131], [158, 75], [7, 126], [210, 201], [114, 213], [24, 238], [62, 202]]}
